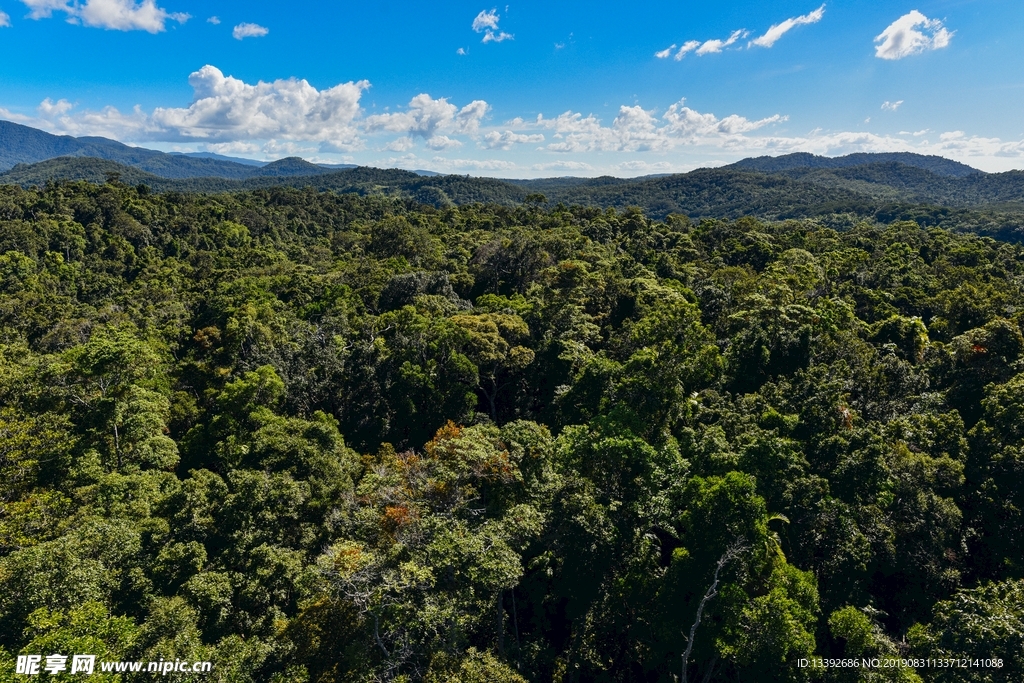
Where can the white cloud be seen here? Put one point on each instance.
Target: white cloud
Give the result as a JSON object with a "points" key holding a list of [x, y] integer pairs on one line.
{"points": [[662, 54], [491, 37], [249, 30], [49, 109], [776, 31], [213, 20], [903, 38], [505, 140], [290, 117], [237, 147], [486, 20], [688, 46], [715, 46], [564, 166], [119, 15], [461, 51], [475, 164], [426, 117], [440, 143], [638, 130], [402, 144], [487, 23], [226, 109], [891, 106], [44, 9], [5, 19]]}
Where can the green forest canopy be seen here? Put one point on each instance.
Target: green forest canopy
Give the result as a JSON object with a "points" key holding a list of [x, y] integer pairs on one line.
{"points": [[322, 437]]}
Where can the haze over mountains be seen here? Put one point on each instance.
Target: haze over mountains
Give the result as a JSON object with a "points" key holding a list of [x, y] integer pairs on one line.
{"points": [[883, 185]]}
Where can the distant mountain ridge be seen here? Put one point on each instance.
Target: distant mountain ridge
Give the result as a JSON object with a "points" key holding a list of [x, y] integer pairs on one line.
{"points": [[25, 145], [788, 162], [726, 192]]}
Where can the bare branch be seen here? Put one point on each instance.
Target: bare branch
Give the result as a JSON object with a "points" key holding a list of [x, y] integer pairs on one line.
{"points": [[737, 547]]}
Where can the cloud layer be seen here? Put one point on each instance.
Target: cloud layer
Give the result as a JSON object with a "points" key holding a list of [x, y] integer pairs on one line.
{"points": [[290, 117], [911, 34], [119, 15]]}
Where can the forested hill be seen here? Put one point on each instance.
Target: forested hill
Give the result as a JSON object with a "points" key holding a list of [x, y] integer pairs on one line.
{"points": [[316, 437], [986, 203], [788, 162], [25, 145]]}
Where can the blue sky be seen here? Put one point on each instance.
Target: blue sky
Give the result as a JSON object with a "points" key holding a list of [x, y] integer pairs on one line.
{"points": [[525, 89]]}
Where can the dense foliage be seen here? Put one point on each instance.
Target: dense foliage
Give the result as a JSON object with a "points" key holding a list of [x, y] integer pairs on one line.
{"points": [[323, 437], [927, 190]]}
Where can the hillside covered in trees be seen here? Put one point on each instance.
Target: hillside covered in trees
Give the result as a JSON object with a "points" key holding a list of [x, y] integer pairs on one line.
{"points": [[837, 191], [316, 437]]}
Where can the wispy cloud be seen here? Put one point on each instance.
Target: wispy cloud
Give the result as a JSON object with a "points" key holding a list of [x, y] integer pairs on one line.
{"points": [[776, 31], [891, 106], [5, 19], [249, 30], [487, 23], [714, 46], [491, 37], [706, 47], [461, 51], [911, 34], [119, 15], [688, 46], [213, 20]]}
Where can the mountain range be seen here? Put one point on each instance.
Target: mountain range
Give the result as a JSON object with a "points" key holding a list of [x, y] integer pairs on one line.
{"points": [[25, 145], [927, 188]]}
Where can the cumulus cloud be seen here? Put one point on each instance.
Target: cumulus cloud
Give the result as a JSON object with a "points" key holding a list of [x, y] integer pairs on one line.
{"points": [[776, 31], [119, 15], [5, 19], [425, 117], [911, 34], [213, 20], [402, 144], [636, 129], [891, 106], [290, 117], [249, 30], [507, 139], [440, 143], [226, 108], [487, 23]]}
